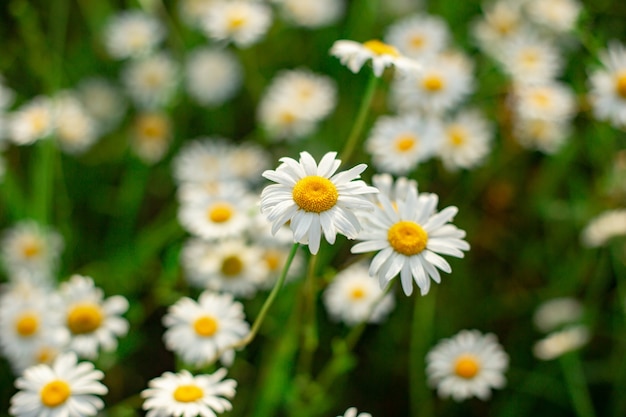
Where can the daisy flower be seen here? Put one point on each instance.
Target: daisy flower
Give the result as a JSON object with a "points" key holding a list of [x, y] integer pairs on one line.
{"points": [[103, 101], [151, 136], [399, 143], [354, 296], [66, 388], [560, 342], [203, 160], [409, 238], [353, 412], [355, 54], [93, 321], [604, 227], [311, 14], [392, 189], [541, 134], [466, 141], [7, 95], [224, 82], [151, 81], [556, 312], [275, 257], [502, 20], [31, 122], [419, 36], [556, 15], [132, 33], [192, 11], [248, 161], [608, 86], [552, 101], [74, 129], [200, 331], [242, 22], [314, 199], [183, 394], [469, 364], [529, 59]]}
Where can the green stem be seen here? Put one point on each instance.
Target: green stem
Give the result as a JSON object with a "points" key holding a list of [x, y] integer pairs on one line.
{"points": [[309, 327], [576, 384], [359, 124], [42, 180]]}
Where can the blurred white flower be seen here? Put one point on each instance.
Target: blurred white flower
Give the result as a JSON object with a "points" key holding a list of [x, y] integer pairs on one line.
{"points": [[419, 36], [32, 121], [560, 342], [242, 22], [311, 14], [604, 227], [75, 130], [104, 101], [530, 59], [151, 81], [467, 140], [212, 76], [132, 33], [151, 136], [608, 86], [556, 312], [555, 15], [353, 412]]}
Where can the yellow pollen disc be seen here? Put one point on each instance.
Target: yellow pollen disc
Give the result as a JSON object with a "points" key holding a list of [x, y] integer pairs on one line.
{"points": [[407, 238], [27, 324], [188, 393], [84, 318], [152, 126], [46, 354], [31, 249], [232, 266], [620, 84], [417, 41], [39, 121], [405, 143], [55, 393], [315, 194], [381, 48], [457, 136], [541, 99], [153, 79], [432, 83], [530, 58], [220, 212], [236, 21], [205, 326], [357, 293], [287, 117], [272, 260], [466, 366], [538, 129]]}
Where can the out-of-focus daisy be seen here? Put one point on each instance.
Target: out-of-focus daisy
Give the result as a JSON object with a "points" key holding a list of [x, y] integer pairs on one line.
{"points": [[501, 21], [103, 101], [419, 36], [74, 129], [315, 199], [311, 14], [354, 296], [132, 33], [469, 364], [29, 248], [399, 143], [604, 227], [151, 81], [608, 86], [192, 11], [67, 388], [93, 322], [248, 161], [203, 160], [552, 101], [275, 257], [560, 342], [466, 141], [409, 238], [556, 312], [529, 59], [151, 136], [242, 22], [225, 77], [183, 394], [355, 54], [353, 412], [541, 134], [555, 15], [34, 120], [7, 95], [199, 331]]}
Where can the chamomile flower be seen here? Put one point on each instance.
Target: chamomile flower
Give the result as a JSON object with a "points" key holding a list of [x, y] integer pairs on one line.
{"points": [[466, 141], [556, 15], [502, 20], [353, 412], [315, 199], [409, 237], [225, 78], [66, 388], [399, 143], [203, 160], [281, 120], [467, 365], [560, 342], [529, 59], [75, 130], [183, 394], [608, 86], [248, 161], [34, 120], [419, 36], [242, 22], [274, 256], [151, 136], [355, 54], [354, 297], [93, 322], [151, 81], [132, 33], [548, 101], [604, 227], [192, 11], [103, 101], [556, 312], [311, 14], [394, 190], [541, 134], [200, 331]]}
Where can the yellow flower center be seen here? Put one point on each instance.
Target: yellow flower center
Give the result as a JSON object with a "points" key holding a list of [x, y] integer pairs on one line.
{"points": [[407, 238], [432, 83], [272, 260], [530, 58], [315, 194], [205, 326], [152, 126], [541, 99], [55, 393], [188, 393], [31, 249], [27, 324], [466, 366], [220, 212], [417, 41], [84, 318], [381, 48], [236, 21], [405, 143], [232, 266], [39, 121], [620, 84], [357, 293], [457, 136], [287, 117]]}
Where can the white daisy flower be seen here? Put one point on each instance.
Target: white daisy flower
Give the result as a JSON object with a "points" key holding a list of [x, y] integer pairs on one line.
{"points": [[242, 22], [399, 143], [193, 11], [31, 122], [560, 342], [151, 136], [608, 86], [7, 95], [604, 227], [556, 15], [354, 297], [200, 331], [311, 14], [556, 312], [66, 388], [261, 232], [182, 394], [203, 160], [355, 54], [314, 199], [467, 365], [281, 120], [552, 101], [467, 140], [103, 101], [75, 130], [529, 59], [353, 412], [419, 36], [198, 193], [223, 83], [274, 257], [248, 161], [541, 134], [132, 33], [501, 21], [409, 237], [394, 190], [151, 81], [93, 322]]}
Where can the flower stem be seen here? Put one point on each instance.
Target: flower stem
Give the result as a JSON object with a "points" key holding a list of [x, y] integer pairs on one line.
{"points": [[309, 327], [576, 384]]}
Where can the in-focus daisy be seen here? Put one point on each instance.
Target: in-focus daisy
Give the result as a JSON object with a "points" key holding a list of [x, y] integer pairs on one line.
{"points": [[608, 86], [151, 81], [311, 14], [541, 134], [132, 33], [353, 412], [556, 312], [225, 78], [469, 364], [103, 101], [93, 322], [67, 388], [34, 120], [183, 394], [409, 237], [399, 143], [562, 341], [530, 59], [604, 227], [555, 15], [355, 54], [151, 136], [75, 129], [200, 331], [354, 296], [242, 22], [466, 142], [314, 199], [419, 36]]}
